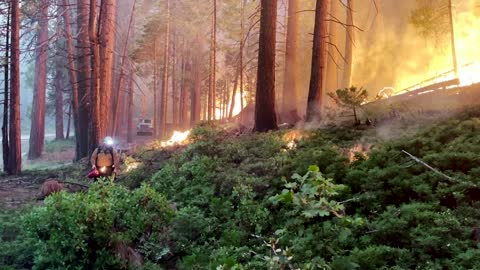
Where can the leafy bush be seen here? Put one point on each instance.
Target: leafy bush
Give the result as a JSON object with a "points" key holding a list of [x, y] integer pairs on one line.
{"points": [[98, 229]]}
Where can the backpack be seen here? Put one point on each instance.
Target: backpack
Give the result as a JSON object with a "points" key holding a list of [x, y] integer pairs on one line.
{"points": [[104, 156]]}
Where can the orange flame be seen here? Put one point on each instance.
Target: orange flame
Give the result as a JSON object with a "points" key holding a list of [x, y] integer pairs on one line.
{"points": [[178, 138]]}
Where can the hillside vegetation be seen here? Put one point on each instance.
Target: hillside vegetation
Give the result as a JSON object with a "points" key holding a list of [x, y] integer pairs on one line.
{"points": [[283, 200]]}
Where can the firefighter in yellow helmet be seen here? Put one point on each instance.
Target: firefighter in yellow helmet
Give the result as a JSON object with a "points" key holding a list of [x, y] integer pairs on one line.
{"points": [[105, 158]]}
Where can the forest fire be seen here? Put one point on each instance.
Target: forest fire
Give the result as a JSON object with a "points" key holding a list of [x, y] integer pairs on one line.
{"points": [[292, 137], [178, 138]]}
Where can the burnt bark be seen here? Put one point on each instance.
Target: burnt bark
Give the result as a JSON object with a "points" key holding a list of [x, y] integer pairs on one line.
{"points": [[37, 130], [174, 82], [315, 92], [265, 115], [15, 148], [196, 91], [183, 91], [155, 90]]}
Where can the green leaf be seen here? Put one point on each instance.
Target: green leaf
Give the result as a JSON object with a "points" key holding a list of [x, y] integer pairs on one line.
{"points": [[313, 168]]}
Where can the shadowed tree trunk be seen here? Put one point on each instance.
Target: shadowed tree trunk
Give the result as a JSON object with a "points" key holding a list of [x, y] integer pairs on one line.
{"points": [[74, 81], [289, 97], [174, 83], [83, 79], [15, 147], [69, 121], [5, 146], [106, 41], [349, 39], [130, 110], [183, 91], [196, 90], [315, 98], [155, 90], [59, 86], [213, 59], [95, 128], [234, 92], [265, 116], [163, 120], [37, 131]]}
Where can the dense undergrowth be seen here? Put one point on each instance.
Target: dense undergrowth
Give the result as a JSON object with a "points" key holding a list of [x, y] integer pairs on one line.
{"points": [[264, 202]]}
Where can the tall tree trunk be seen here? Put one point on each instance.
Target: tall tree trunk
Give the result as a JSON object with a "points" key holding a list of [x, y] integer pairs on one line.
{"points": [[107, 44], [166, 60], [74, 81], [156, 122], [183, 91], [59, 86], [122, 73], [174, 83], [242, 45], [84, 78], [452, 39], [289, 97], [69, 121], [234, 92], [95, 128], [130, 110], [37, 130], [196, 90], [212, 74], [5, 146], [315, 92], [265, 115], [331, 81], [15, 147], [349, 39]]}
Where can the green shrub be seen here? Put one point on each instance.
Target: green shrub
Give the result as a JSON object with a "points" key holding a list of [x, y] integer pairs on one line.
{"points": [[82, 230]]}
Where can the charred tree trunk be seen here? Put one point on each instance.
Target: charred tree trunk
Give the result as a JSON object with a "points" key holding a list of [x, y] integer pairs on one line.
{"points": [[130, 110], [122, 74], [74, 81], [15, 148], [315, 98], [37, 131], [212, 74], [95, 128], [82, 134], [289, 97], [59, 86], [163, 119], [5, 146], [156, 121], [106, 41], [265, 115]]}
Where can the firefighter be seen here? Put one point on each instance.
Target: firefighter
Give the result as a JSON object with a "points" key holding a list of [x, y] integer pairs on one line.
{"points": [[105, 159]]}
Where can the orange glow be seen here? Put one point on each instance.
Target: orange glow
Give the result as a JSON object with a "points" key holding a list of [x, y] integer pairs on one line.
{"points": [[237, 108], [178, 138]]}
